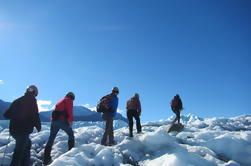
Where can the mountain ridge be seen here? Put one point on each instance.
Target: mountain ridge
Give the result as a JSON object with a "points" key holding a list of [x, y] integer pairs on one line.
{"points": [[81, 113]]}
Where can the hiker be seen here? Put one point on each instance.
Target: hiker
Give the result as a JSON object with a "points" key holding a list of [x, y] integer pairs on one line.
{"points": [[176, 105], [133, 108], [108, 116], [24, 116], [62, 118]]}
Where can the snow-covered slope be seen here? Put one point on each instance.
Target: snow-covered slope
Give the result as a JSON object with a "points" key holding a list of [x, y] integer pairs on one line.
{"points": [[203, 142]]}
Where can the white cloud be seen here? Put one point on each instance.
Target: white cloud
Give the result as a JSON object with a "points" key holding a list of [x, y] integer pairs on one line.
{"points": [[44, 105], [86, 105], [89, 107], [1, 82]]}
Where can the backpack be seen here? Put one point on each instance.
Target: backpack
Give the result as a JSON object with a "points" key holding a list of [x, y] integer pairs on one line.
{"points": [[13, 112], [176, 104], [102, 105], [56, 113], [132, 104]]}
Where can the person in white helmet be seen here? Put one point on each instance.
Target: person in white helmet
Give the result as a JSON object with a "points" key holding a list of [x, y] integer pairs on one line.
{"points": [[24, 116]]}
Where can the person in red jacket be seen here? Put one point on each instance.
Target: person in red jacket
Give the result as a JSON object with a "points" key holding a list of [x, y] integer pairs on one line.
{"points": [[24, 116], [62, 118], [133, 108]]}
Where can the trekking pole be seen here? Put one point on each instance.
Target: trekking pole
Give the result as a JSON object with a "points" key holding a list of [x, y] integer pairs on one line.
{"points": [[6, 146]]}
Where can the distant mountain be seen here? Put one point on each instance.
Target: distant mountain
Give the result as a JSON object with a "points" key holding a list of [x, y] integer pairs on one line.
{"points": [[3, 107], [81, 113]]}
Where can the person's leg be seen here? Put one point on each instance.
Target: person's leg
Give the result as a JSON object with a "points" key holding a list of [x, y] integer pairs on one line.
{"points": [[53, 133], [25, 161], [178, 116], [110, 131], [176, 113], [71, 140], [130, 121], [104, 138], [18, 150], [138, 124], [175, 120]]}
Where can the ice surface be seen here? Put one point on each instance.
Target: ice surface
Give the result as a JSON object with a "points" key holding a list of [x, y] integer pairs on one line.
{"points": [[207, 142]]}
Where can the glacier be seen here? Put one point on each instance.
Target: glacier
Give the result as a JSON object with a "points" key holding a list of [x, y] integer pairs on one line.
{"points": [[209, 142]]}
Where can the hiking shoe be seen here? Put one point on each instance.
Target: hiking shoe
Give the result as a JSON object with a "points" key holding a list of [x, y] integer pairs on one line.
{"points": [[47, 161], [112, 143], [104, 144]]}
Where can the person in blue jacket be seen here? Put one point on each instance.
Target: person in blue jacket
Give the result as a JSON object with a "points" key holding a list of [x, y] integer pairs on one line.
{"points": [[108, 116]]}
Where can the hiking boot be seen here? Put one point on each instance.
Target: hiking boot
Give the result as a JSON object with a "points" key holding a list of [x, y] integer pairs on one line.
{"points": [[47, 155], [104, 144], [112, 143], [130, 135], [71, 144], [47, 161]]}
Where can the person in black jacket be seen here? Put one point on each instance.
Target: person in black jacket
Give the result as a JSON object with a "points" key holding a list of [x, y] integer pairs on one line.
{"points": [[24, 116], [176, 106]]}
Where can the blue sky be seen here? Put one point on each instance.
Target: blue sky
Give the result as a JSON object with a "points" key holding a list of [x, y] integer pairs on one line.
{"points": [[199, 49]]}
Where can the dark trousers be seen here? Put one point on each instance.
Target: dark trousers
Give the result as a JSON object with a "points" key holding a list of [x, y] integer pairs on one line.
{"points": [[55, 127], [177, 118], [130, 115], [108, 130], [21, 155]]}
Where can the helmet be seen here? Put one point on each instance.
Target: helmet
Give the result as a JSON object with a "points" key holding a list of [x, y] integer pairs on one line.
{"points": [[32, 89], [136, 95], [115, 89], [70, 95]]}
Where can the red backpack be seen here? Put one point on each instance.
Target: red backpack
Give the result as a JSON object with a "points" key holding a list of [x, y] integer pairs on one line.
{"points": [[103, 104], [176, 104]]}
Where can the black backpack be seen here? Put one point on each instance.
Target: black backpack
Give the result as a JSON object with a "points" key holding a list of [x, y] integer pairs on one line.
{"points": [[56, 113], [13, 111], [102, 105]]}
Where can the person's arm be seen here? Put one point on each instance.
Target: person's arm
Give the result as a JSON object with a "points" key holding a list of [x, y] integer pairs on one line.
{"points": [[114, 104], [181, 105], [139, 107], [69, 108], [36, 119]]}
